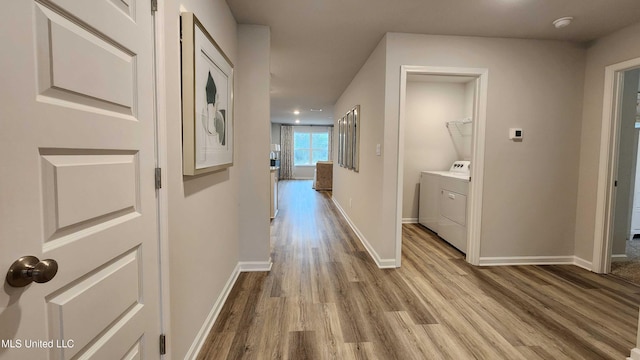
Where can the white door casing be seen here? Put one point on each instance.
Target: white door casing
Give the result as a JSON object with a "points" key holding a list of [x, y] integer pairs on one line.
{"points": [[607, 167], [77, 181], [474, 208]]}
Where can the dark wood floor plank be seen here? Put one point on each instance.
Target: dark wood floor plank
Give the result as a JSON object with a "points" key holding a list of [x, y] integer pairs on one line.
{"points": [[303, 345], [217, 346], [329, 331], [326, 299], [276, 316]]}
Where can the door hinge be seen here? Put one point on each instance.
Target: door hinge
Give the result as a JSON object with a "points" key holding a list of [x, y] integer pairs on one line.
{"points": [[615, 183], [163, 344], [158, 178], [154, 5]]}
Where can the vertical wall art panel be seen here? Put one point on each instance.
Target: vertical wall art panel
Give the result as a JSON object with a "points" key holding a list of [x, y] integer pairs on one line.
{"points": [[343, 155], [349, 140], [339, 127], [356, 138], [349, 132]]}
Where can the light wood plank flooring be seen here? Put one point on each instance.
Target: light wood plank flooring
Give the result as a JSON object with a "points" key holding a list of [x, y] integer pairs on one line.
{"points": [[326, 299]]}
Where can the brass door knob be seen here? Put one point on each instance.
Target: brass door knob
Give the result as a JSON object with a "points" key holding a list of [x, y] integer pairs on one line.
{"points": [[29, 268]]}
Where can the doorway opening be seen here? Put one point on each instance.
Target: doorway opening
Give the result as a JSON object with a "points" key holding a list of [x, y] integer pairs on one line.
{"points": [[466, 122], [616, 199]]}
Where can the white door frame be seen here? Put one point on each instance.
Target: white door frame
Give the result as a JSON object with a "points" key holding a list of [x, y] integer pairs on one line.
{"points": [[609, 142], [477, 157], [161, 162]]}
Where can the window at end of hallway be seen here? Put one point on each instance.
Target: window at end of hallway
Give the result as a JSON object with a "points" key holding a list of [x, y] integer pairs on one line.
{"points": [[310, 147]]}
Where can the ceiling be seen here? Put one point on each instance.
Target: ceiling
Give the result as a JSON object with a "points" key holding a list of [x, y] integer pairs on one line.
{"points": [[318, 46]]}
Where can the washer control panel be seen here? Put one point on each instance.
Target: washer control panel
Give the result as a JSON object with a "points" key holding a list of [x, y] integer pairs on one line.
{"points": [[461, 167]]}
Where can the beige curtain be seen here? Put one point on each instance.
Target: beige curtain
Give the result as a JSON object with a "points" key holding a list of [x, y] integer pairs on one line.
{"points": [[286, 152]]}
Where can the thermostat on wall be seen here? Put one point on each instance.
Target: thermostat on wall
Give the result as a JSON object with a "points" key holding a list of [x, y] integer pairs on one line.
{"points": [[515, 134]]}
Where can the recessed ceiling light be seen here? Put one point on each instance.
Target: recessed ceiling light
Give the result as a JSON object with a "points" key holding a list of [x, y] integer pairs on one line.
{"points": [[297, 112], [562, 22], [315, 109], [297, 121]]}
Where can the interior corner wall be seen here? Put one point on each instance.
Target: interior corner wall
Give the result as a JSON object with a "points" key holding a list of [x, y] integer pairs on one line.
{"points": [[275, 133], [529, 195], [253, 128], [202, 210], [470, 93], [359, 193], [427, 142], [618, 47]]}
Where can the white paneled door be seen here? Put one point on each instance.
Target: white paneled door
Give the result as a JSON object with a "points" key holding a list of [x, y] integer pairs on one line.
{"points": [[77, 158]]}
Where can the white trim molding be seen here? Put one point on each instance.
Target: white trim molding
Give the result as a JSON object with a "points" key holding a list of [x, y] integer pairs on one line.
{"points": [[535, 260], [477, 157], [382, 263], [607, 168], [198, 342], [162, 163], [409, 220], [253, 266], [619, 257], [635, 354], [578, 261]]}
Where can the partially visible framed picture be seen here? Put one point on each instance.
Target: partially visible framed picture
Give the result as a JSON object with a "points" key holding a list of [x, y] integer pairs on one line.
{"points": [[355, 138], [341, 156], [349, 137], [349, 140], [638, 108], [207, 101]]}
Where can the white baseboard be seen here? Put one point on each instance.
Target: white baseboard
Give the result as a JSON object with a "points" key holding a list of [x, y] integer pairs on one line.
{"points": [[526, 260], [635, 354], [619, 257], [580, 262], [196, 346], [249, 266], [382, 263], [409, 220]]}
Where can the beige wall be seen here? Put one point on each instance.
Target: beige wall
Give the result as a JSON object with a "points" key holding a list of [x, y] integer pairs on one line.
{"points": [[204, 211], [530, 194], [253, 129], [617, 47], [364, 188], [428, 144]]}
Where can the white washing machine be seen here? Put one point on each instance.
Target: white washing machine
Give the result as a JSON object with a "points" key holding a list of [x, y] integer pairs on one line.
{"points": [[443, 203]]}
